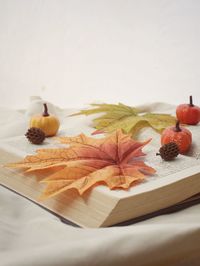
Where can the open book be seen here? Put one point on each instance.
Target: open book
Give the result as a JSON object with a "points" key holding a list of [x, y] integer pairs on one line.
{"points": [[174, 182]]}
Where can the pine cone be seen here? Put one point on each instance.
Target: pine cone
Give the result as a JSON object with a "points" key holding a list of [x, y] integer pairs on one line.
{"points": [[169, 151], [35, 135]]}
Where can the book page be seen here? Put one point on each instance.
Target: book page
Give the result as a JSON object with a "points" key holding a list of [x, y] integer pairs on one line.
{"points": [[164, 169]]}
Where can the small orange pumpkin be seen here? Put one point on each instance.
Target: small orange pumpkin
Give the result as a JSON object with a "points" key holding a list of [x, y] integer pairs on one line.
{"points": [[49, 124], [180, 135], [188, 113]]}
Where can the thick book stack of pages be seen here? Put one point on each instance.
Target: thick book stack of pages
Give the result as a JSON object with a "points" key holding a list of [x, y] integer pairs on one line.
{"points": [[176, 183]]}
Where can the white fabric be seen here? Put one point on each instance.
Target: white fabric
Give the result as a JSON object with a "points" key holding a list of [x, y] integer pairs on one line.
{"points": [[31, 236]]}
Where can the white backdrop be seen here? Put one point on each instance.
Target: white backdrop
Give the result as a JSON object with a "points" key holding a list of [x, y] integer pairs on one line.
{"points": [[74, 52]]}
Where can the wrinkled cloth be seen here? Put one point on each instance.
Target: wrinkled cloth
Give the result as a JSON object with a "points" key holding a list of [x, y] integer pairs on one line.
{"points": [[31, 236]]}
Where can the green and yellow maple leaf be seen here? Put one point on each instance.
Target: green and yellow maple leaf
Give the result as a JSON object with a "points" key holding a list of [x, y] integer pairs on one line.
{"points": [[129, 119]]}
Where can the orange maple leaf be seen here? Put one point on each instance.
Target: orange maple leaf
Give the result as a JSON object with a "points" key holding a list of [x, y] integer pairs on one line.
{"points": [[113, 160]]}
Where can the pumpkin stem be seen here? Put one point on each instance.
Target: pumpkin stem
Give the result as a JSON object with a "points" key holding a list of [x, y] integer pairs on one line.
{"points": [[191, 101], [177, 127], [45, 113]]}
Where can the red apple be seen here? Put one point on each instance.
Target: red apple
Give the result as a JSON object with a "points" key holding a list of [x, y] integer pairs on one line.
{"points": [[188, 113]]}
